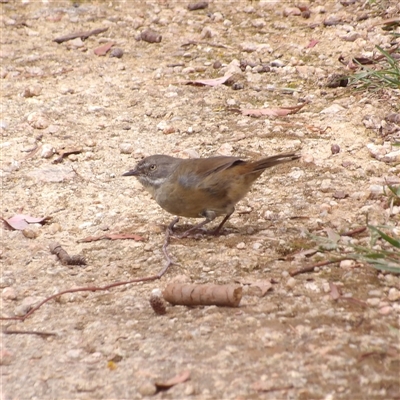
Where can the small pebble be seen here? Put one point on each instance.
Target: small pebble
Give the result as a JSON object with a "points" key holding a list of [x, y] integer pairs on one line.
{"points": [[325, 207], [374, 301], [335, 149], [151, 36], [6, 357], [217, 64], [38, 120], [277, 63], [32, 91], [126, 148], [238, 86], [9, 293], [201, 5], [347, 264], [394, 294], [31, 232], [325, 185], [375, 293], [47, 151], [116, 52], [291, 283], [385, 310], [241, 246], [147, 389]]}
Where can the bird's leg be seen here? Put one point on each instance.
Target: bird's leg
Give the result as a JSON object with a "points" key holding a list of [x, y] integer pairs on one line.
{"points": [[209, 215], [168, 234], [216, 231]]}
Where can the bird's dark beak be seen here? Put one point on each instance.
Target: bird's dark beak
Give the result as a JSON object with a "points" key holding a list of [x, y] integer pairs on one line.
{"points": [[132, 172]]}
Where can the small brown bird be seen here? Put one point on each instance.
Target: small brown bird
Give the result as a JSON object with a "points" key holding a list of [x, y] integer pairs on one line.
{"points": [[201, 187]]}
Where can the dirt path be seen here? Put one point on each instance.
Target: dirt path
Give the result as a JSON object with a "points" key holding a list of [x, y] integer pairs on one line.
{"points": [[296, 341]]}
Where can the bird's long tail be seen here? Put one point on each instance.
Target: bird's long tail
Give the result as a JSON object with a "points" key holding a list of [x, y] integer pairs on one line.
{"points": [[268, 162]]}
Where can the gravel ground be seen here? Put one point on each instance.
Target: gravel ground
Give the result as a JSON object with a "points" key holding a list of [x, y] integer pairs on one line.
{"points": [[298, 340]]}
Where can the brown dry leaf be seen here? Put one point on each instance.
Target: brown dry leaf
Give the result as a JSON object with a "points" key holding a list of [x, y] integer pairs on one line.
{"points": [[21, 221], [180, 378], [102, 50], [313, 42], [111, 236], [334, 291], [274, 112], [209, 82], [65, 153]]}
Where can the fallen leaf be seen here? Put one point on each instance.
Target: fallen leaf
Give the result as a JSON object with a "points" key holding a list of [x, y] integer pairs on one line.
{"points": [[102, 50], [111, 236], [313, 42], [21, 221], [209, 82], [274, 112], [180, 378], [64, 153]]}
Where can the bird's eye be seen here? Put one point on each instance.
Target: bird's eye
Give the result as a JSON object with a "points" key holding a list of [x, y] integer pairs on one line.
{"points": [[153, 167]]}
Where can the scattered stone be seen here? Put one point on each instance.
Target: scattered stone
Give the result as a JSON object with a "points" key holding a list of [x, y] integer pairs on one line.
{"points": [[376, 191], [226, 149], [201, 5], [9, 293], [238, 86], [207, 33], [75, 43], [150, 36], [32, 91], [385, 310], [47, 151], [291, 283], [38, 120], [291, 11], [332, 20], [6, 356], [116, 52], [325, 185], [31, 232], [340, 194], [217, 64], [392, 157], [335, 149], [374, 301], [26, 305], [347, 264], [394, 294], [333, 109], [147, 389], [241, 246], [6, 280], [126, 148], [277, 63], [259, 23]]}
